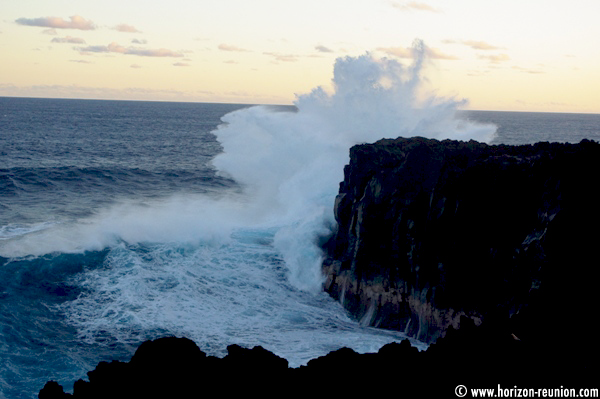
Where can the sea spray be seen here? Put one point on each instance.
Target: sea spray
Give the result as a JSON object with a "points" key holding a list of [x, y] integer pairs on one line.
{"points": [[291, 163], [178, 218], [244, 266]]}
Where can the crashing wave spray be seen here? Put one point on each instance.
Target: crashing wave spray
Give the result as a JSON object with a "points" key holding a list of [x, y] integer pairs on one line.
{"points": [[291, 163], [204, 265]]}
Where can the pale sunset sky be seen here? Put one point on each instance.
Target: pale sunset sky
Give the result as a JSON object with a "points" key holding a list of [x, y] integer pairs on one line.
{"points": [[514, 55]]}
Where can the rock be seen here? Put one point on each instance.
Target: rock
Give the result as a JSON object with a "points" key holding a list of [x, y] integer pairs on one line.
{"points": [[173, 367], [52, 390], [430, 231], [475, 356]]}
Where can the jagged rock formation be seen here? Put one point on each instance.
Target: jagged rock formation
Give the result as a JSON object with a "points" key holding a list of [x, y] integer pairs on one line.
{"points": [[429, 231], [476, 357], [173, 367]]}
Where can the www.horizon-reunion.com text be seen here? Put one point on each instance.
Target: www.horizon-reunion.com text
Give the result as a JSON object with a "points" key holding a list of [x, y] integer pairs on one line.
{"points": [[462, 391]]}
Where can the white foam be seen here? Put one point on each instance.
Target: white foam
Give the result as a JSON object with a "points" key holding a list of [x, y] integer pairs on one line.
{"points": [[291, 163], [216, 295], [20, 229], [185, 219]]}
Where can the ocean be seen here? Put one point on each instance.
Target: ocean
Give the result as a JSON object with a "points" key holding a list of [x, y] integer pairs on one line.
{"points": [[124, 221]]}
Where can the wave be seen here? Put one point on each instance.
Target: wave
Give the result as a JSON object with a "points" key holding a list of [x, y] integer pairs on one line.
{"points": [[291, 163], [184, 219], [288, 165], [116, 180]]}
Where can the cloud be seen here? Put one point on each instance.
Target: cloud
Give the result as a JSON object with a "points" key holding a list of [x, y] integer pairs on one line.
{"points": [[479, 45], [495, 58], [181, 64], [323, 49], [438, 55], [527, 70], [80, 61], [76, 22], [403, 52], [414, 5], [127, 28], [68, 39], [135, 66], [474, 44], [161, 52], [282, 57], [138, 41], [117, 48], [228, 47], [93, 49], [400, 52]]}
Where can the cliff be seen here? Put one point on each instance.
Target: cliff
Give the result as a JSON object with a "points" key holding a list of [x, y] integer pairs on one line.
{"points": [[429, 231]]}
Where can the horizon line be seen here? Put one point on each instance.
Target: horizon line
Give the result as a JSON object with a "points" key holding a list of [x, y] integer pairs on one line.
{"points": [[271, 104]]}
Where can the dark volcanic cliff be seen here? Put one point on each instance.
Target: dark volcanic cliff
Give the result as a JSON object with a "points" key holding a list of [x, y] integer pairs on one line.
{"points": [[432, 230]]}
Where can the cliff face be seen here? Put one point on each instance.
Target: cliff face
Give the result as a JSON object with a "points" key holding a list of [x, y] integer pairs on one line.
{"points": [[430, 231]]}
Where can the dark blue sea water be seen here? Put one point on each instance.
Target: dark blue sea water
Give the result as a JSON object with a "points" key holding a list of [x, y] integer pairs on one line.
{"points": [[126, 221]]}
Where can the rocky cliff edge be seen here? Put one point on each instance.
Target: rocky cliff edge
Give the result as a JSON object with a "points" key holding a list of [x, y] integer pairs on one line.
{"points": [[429, 231]]}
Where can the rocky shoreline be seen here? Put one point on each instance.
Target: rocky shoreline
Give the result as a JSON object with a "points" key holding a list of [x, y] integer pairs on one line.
{"points": [[485, 252], [475, 357]]}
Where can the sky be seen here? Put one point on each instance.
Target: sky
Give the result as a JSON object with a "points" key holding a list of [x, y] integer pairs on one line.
{"points": [[511, 55]]}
